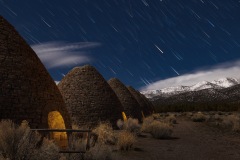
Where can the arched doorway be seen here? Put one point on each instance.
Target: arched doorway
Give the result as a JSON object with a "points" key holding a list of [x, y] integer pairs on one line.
{"points": [[56, 121]]}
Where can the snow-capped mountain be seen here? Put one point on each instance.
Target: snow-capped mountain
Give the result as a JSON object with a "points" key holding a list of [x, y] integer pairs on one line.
{"points": [[204, 85], [205, 99], [226, 82], [216, 84], [166, 91]]}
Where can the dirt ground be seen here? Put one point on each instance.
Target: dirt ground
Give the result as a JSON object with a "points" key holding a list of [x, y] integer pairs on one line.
{"points": [[191, 141]]}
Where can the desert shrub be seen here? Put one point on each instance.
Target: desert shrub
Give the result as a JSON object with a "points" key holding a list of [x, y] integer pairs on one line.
{"points": [[48, 150], [227, 122], [162, 115], [2, 158], [146, 122], [189, 114], [220, 113], [157, 116], [160, 130], [217, 117], [228, 113], [105, 134], [78, 140], [76, 143], [131, 125], [179, 114], [171, 119], [207, 118], [232, 121], [120, 124], [166, 114], [126, 140], [19, 142], [236, 123], [99, 152], [198, 117]]}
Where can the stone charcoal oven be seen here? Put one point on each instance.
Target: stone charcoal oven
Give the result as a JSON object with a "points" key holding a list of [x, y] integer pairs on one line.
{"points": [[89, 98]]}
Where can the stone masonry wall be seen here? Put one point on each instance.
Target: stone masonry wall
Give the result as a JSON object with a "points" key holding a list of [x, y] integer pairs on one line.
{"points": [[129, 103], [143, 104], [89, 98], [149, 104], [27, 92]]}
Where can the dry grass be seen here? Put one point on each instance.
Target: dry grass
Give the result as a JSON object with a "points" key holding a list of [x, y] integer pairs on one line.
{"points": [[171, 119], [120, 124], [217, 117], [198, 117], [78, 141], [189, 114], [146, 122], [232, 121], [131, 125], [157, 115], [99, 152], [105, 134], [48, 150], [227, 122], [18, 142], [126, 140], [160, 130]]}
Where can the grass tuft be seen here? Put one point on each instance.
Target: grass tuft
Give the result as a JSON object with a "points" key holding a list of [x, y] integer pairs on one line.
{"points": [[126, 140], [19, 142], [198, 117], [160, 130]]}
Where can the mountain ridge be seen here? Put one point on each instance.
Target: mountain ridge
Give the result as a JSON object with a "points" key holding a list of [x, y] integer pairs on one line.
{"points": [[170, 91], [226, 99]]}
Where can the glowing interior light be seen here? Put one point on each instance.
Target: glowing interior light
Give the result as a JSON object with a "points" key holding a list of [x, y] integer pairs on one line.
{"points": [[124, 116], [55, 121]]}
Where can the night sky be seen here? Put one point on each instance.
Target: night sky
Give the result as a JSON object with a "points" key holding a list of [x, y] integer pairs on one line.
{"points": [[137, 41]]}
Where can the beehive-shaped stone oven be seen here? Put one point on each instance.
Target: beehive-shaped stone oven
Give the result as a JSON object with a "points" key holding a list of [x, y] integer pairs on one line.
{"points": [[129, 103], [149, 104], [27, 92], [146, 109], [89, 98]]}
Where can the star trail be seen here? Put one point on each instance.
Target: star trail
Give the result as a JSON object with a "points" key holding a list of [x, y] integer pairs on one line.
{"points": [[140, 42]]}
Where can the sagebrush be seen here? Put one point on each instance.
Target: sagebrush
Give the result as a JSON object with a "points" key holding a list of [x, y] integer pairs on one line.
{"points": [[171, 119], [126, 140], [131, 125], [146, 122], [198, 117], [20, 143], [160, 130], [105, 134], [232, 121]]}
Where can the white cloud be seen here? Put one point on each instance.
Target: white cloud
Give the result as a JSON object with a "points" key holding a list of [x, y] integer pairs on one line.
{"points": [[58, 54], [229, 69]]}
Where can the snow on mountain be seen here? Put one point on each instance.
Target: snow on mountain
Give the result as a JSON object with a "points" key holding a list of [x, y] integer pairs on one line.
{"points": [[166, 91], [175, 89], [216, 84], [226, 82], [204, 85]]}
